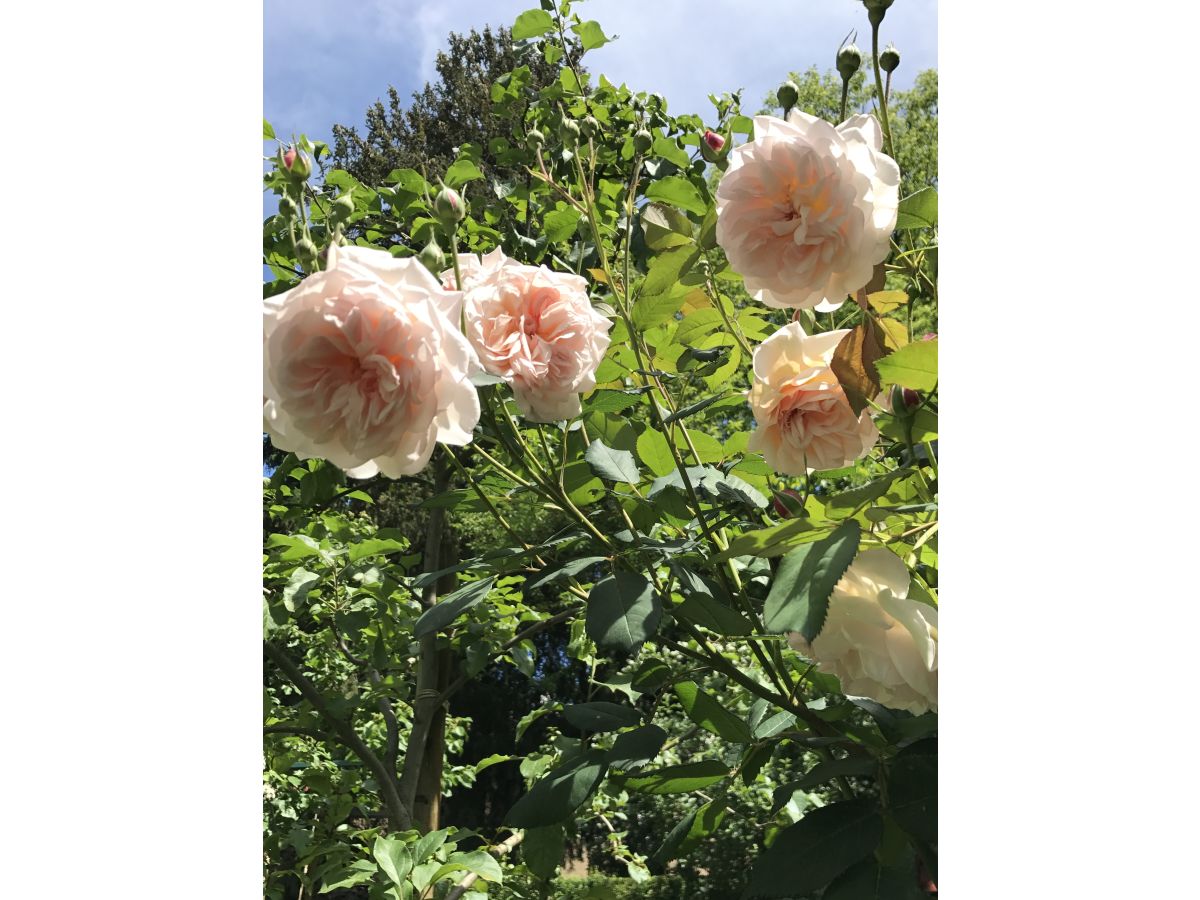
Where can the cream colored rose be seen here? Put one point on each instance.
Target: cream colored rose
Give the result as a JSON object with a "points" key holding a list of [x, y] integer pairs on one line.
{"points": [[536, 329], [804, 421], [364, 365], [878, 641], [806, 210]]}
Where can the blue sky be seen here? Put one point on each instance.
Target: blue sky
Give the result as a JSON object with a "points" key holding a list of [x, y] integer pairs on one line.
{"points": [[326, 61]]}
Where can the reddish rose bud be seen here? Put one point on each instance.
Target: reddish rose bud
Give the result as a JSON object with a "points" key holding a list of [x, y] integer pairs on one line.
{"points": [[296, 164], [930, 336], [924, 881], [911, 398], [715, 142], [789, 503], [289, 156]]}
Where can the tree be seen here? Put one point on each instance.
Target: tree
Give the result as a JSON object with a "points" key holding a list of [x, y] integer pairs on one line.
{"points": [[456, 109]]}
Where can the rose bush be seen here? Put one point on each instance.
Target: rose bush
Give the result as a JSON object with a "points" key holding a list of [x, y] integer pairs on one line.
{"points": [[364, 365], [601, 566]]}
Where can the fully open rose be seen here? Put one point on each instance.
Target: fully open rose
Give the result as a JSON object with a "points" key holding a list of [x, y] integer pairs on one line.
{"points": [[805, 210], [878, 641], [364, 365], [804, 420], [536, 329]]}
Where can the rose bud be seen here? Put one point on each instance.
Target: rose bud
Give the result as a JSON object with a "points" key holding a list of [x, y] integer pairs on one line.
{"points": [[448, 206], [889, 58], [342, 208], [849, 61], [306, 253], [789, 503], [589, 125], [287, 208], [924, 880], [904, 401], [715, 142], [534, 138], [296, 164], [788, 94], [568, 132], [642, 141], [433, 258]]}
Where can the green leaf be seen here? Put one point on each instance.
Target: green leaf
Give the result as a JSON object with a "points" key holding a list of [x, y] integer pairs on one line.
{"points": [[872, 490], [460, 172], [818, 848], [268, 131], [566, 570], [409, 180], [651, 675], [451, 607], [560, 224], [706, 821], [600, 715], [590, 35], [668, 849], [913, 366], [556, 796], [799, 596], [708, 612], [868, 880], [480, 862], [665, 227], [428, 844], [772, 726], [542, 850], [654, 309], [296, 546], [669, 150], [532, 23], [679, 779], [495, 759], [677, 191], [774, 540], [393, 857], [825, 771], [710, 715], [635, 748], [358, 872], [375, 547], [655, 452], [610, 464], [612, 401], [912, 790], [668, 268], [296, 590], [918, 210], [622, 611]]}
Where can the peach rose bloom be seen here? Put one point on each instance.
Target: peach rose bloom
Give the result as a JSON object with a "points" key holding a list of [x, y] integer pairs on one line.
{"points": [[364, 365], [534, 328], [878, 641], [805, 211], [804, 420]]}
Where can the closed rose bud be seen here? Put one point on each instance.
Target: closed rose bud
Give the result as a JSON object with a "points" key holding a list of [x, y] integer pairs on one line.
{"points": [[306, 253], [789, 503], [296, 164], [589, 125], [568, 132], [342, 208], [849, 61], [449, 208], [889, 58], [432, 257], [876, 10], [642, 141], [903, 400], [534, 138], [715, 142], [287, 208], [788, 94]]}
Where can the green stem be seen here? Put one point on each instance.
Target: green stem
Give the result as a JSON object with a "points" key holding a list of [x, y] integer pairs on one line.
{"points": [[876, 17]]}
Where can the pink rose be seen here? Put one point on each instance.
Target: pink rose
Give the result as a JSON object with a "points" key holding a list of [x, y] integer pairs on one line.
{"points": [[804, 419], [364, 365], [805, 210], [536, 329]]}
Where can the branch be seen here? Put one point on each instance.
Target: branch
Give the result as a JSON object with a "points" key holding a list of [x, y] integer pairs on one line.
{"points": [[397, 812], [500, 849]]}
